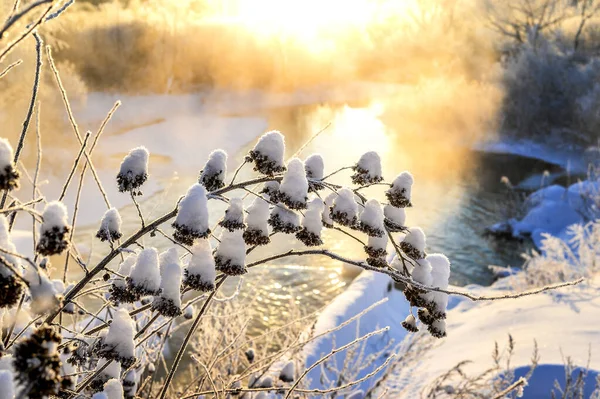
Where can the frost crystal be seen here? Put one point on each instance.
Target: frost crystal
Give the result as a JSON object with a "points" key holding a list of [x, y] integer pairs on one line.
{"points": [[200, 273], [212, 176], [9, 175], [368, 169], [371, 219], [118, 344], [11, 286], [395, 218], [294, 186], [134, 170], [312, 224], [315, 168], [118, 290], [234, 216], [376, 249], [230, 257], [399, 193], [192, 216], [144, 278], [283, 220], [268, 153], [440, 273], [110, 226], [288, 372], [257, 232], [168, 303], [413, 244], [344, 209], [53, 230]]}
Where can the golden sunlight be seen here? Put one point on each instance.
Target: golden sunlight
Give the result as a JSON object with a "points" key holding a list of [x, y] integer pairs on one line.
{"points": [[307, 20]]}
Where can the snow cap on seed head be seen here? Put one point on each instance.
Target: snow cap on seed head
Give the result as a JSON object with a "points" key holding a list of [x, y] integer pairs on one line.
{"points": [[268, 153], [134, 170], [192, 216], [212, 176]]}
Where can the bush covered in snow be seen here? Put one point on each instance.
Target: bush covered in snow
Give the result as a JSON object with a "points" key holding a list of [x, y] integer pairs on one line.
{"points": [[110, 333]]}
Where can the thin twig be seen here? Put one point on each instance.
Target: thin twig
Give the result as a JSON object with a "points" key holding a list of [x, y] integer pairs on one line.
{"points": [[186, 340], [34, 95], [67, 104], [11, 66], [332, 353], [74, 167]]}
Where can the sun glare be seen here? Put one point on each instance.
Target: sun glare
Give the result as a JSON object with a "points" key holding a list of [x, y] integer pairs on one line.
{"points": [[311, 19]]}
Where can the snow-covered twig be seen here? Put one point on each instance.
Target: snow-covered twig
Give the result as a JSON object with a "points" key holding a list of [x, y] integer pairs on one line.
{"points": [[10, 67], [330, 354]]}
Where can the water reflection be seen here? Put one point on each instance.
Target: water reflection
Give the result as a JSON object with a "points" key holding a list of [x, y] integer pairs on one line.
{"points": [[456, 195]]}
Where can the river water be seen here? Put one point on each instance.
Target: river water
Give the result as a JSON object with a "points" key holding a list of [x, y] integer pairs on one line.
{"points": [[456, 194]]}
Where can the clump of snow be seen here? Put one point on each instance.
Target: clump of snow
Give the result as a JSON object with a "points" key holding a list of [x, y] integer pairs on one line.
{"points": [[257, 231], [315, 171], [7, 386], [312, 224], [188, 313], [368, 169], [284, 220], [230, 256], [144, 278], [271, 190], [212, 176], [112, 371], [118, 290], [344, 209], [400, 193], [53, 230], [326, 216], [376, 248], [288, 372], [234, 215], [268, 153], [134, 170], [118, 344], [130, 383], [314, 167], [200, 272], [413, 244], [410, 323], [9, 175], [192, 216], [395, 218], [421, 274], [400, 264], [169, 302], [100, 395], [440, 273], [113, 389], [371, 219], [12, 286], [45, 293], [110, 226], [294, 186]]}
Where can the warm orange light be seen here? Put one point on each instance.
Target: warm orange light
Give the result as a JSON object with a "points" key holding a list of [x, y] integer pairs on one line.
{"points": [[308, 20]]}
